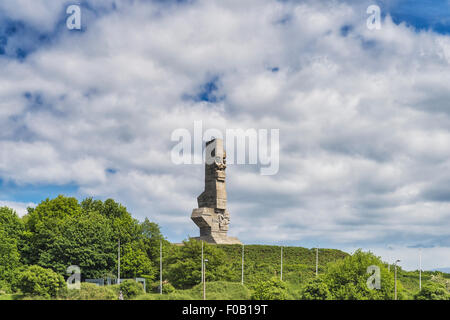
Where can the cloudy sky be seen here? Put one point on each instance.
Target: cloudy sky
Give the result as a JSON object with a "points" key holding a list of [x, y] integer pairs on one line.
{"points": [[364, 115]]}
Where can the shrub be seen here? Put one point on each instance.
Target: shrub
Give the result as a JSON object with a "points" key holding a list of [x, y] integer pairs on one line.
{"points": [[347, 278], [184, 270], [432, 291], [38, 281], [273, 289], [91, 291], [222, 290], [9, 256], [315, 289], [131, 289], [168, 288], [4, 287]]}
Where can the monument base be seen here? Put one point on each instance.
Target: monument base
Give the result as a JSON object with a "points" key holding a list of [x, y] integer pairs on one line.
{"points": [[218, 239], [211, 228]]}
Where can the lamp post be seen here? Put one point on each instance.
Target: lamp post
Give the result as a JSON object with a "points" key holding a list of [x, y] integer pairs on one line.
{"points": [[204, 278], [202, 261], [118, 264], [420, 269], [281, 273], [317, 261], [389, 258], [242, 271], [395, 279], [160, 267]]}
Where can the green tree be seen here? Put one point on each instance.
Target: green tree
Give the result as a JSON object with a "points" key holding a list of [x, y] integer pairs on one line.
{"points": [[14, 228], [11, 231], [38, 281], [11, 223], [9, 257], [124, 226], [50, 211], [273, 289], [347, 278], [184, 270], [44, 224], [315, 289], [432, 291], [61, 232], [152, 237], [131, 289], [134, 262], [86, 240]]}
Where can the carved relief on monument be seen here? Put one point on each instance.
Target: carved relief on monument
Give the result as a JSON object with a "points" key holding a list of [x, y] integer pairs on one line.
{"points": [[212, 217]]}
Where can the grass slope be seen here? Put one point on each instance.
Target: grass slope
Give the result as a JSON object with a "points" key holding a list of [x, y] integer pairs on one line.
{"points": [[220, 290]]}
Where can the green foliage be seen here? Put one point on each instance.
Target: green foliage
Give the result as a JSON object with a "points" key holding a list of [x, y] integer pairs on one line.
{"points": [[10, 223], [135, 262], [10, 297], [271, 255], [91, 291], [86, 240], [184, 268], [61, 232], [11, 232], [124, 226], [273, 289], [347, 278], [38, 281], [131, 289], [44, 224], [315, 289], [168, 288], [263, 262], [433, 291], [442, 279], [152, 236], [49, 212], [220, 290], [9, 257]]}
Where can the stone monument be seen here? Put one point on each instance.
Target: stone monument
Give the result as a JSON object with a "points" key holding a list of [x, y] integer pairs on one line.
{"points": [[212, 216]]}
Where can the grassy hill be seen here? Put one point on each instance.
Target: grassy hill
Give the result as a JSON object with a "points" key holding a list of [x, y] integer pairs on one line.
{"points": [[271, 254], [219, 290], [262, 261]]}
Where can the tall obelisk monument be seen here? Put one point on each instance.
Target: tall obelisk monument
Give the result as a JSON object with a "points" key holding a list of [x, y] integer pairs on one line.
{"points": [[212, 216]]}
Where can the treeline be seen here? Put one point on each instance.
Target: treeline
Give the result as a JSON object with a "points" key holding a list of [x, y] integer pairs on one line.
{"points": [[37, 249], [62, 232]]}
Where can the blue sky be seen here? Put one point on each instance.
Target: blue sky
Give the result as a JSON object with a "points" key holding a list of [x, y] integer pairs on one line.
{"points": [[363, 115], [424, 14]]}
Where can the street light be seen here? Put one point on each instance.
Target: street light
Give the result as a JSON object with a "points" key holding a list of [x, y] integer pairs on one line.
{"points": [[242, 270], [202, 261], [281, 273], [204, 278], [160, 268], [317, 261], [389, 258], [420, 269], [395, 279], [118, 263]]}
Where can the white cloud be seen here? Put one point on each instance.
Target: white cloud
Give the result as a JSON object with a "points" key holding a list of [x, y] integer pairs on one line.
{"points": [[363, 118], [19, 207]]}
